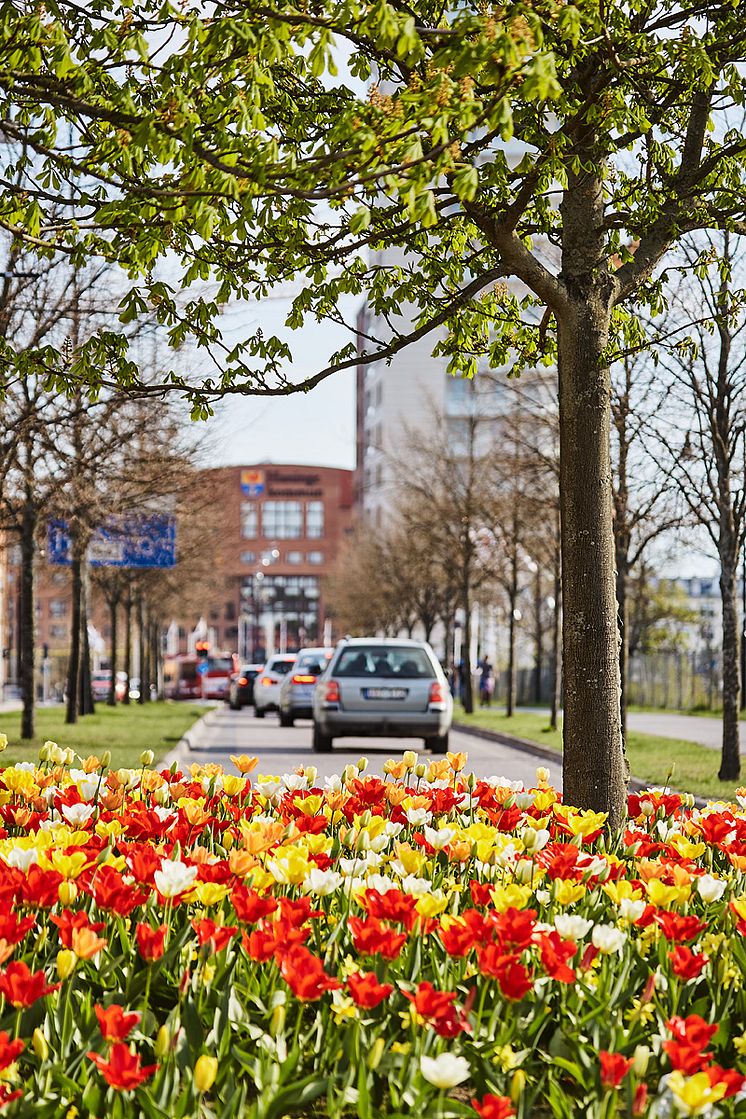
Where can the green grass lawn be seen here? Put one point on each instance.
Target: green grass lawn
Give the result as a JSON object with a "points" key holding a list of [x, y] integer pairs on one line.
{"points": [[126, 731], [651, 757]]}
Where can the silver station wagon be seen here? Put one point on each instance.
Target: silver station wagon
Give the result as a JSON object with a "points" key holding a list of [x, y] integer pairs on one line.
{"points": [[382, 688]]}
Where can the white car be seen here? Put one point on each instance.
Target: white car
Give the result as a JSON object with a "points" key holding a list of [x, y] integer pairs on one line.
{"points": [[267, 683]]}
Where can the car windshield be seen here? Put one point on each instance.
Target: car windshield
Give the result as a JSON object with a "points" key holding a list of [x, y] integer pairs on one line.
{"points": [[310, 664], [389, 661], [282, 667]]}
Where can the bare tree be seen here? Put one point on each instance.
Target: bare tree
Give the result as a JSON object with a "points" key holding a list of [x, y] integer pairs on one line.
{"points": [[706, 431], [644, 506]]}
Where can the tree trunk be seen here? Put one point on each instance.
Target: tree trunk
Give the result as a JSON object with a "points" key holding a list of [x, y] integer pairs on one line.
{"points": [[622, 618], [155, 656], [556, 634], [73, 667], [467, 691], [27, 619], [538, 638], [143, 654], [86, 705], [127, 647], [595, 771], [111, 700], [512, 605], [730, 761]]}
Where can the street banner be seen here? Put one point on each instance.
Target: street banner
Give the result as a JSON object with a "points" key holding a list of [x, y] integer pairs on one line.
{"points": [[125, 540]]}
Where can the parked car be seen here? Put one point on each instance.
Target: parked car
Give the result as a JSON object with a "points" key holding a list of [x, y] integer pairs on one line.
{"points": [[100, 684], [382, 688], [241, 687], [267, 683], [296, 690]]}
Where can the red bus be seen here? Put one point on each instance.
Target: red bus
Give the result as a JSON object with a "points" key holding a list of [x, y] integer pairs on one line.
{"points": [[182, 678]]}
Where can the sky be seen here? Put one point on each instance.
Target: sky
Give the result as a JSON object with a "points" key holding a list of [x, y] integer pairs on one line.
{"points": [[315, 428]]}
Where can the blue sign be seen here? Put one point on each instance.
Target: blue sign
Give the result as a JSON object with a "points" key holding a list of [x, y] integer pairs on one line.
{"points": [[202, 668], [125, 540]]}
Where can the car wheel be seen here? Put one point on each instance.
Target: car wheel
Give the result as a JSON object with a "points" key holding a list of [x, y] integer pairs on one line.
{"points": [[438, 744], [286, 720], [259, 712], [233, 705], [322, 743]]}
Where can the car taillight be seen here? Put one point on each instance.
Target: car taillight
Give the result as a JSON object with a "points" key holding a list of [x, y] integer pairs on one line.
{"points": [[438, 692], [267, 681], [242, 681], [331, 692], [303, 680]]}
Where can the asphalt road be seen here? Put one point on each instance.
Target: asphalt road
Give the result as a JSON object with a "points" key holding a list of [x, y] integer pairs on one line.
{"points": [[224, 732], [692, 728]]}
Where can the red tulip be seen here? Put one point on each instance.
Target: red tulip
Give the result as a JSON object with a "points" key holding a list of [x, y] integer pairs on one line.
{"points": [[366, 991], [150, 941], [493, 1107], [22, 987], [123, 1070], [685, 963], [614, 1067], [115, 1022]]}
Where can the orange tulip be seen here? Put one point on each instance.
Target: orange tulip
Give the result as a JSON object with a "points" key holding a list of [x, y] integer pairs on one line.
{"points": [[85, 943]]}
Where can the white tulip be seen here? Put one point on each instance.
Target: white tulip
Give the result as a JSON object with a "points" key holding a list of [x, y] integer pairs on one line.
{"points": [[533, 839], [322, 882], [380, 882], [415, 886], [439, 839], [631, 909], [608, 939], [445, 1070], [571, 927], [418, 816], [21, 858], [174, 877], [710, 888], [77, 814]]}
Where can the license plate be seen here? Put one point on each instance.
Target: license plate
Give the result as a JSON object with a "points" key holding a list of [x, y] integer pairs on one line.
{"points": [[384, 693]]}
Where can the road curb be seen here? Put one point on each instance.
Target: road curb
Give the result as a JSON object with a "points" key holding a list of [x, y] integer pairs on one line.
{"points": [[547, 753]]}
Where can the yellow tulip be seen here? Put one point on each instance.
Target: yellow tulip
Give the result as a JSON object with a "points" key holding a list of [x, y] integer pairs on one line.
{"points": [[567, 892], [205, 1071], [694, 1094]]}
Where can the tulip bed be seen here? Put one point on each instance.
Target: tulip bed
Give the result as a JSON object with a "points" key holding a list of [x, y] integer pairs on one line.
{"points": [[208, 944]]}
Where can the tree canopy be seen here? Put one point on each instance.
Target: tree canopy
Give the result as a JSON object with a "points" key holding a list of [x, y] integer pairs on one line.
{"points": [[241, 145]]}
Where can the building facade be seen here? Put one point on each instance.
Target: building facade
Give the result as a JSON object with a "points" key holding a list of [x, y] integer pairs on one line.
{"points": [[273, 532], [281, 530]]}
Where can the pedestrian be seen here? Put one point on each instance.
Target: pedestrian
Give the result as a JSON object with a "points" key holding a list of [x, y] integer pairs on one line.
{"points": [[486, 682]]}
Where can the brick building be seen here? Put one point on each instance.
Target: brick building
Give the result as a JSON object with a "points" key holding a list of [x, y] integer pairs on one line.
{"points": [[281, 529], [278, 530]]}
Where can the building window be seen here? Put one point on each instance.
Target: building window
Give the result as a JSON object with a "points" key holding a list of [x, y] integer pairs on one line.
{"points": [[58, 631], [249, 520], [294, 557], [315, 557], [282, 520], [248, 557], [315, 519], [230, 611], [58, 608]]}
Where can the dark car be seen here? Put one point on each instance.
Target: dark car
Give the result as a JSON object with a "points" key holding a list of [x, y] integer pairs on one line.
{"points": [[241, 688]]}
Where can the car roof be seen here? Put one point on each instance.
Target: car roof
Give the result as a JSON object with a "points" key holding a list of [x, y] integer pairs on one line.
{"points": [[282, 657], [400, 642], [316, 649]]}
